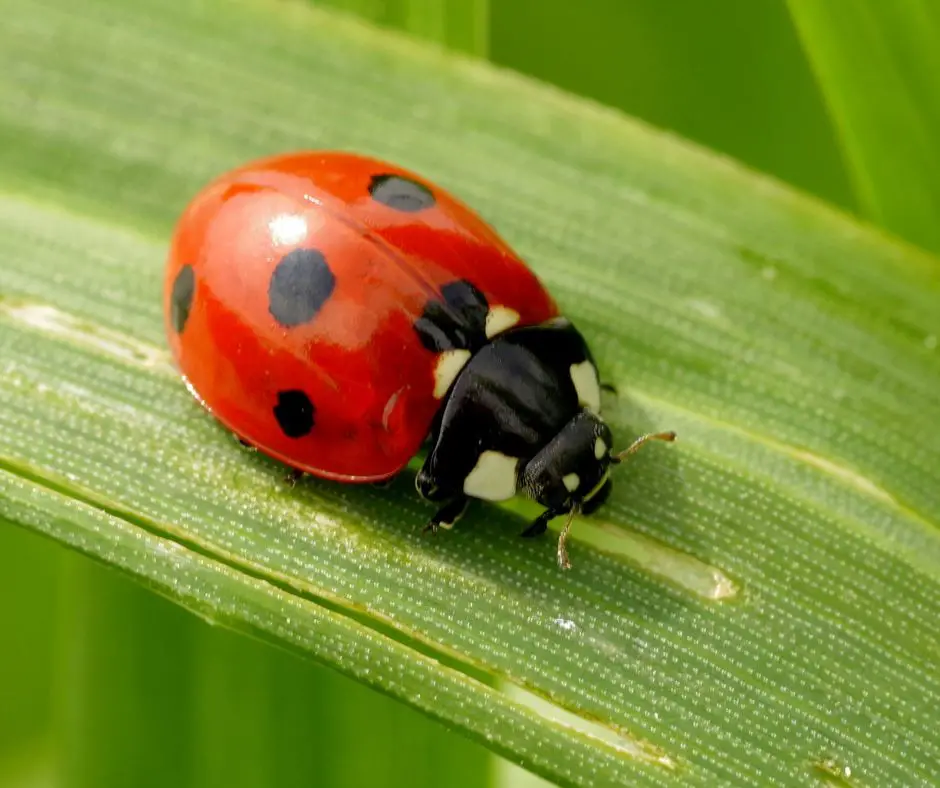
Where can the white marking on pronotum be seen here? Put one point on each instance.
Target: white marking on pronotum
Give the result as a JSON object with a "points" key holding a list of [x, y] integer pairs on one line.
{"points": [[498, 319], [449, 364], [600, 448], [584, 377], [493, 478], [571, 482]]}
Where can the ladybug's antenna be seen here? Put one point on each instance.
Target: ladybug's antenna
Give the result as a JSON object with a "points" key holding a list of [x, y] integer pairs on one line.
{"points": [[563, 561], [633, 447]]}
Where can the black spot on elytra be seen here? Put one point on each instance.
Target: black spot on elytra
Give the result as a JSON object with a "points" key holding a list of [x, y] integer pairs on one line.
{"points": [[181, 297], [456, 321], [301, 284], [294, 413], [402, 194]]}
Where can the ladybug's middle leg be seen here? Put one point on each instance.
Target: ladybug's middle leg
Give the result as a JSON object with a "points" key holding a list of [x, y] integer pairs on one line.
{"points": [[448, 514], [293, 476]]}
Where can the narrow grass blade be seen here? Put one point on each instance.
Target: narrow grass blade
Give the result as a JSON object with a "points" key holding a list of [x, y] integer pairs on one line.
{"points": [[877, 64], [459, 25]]}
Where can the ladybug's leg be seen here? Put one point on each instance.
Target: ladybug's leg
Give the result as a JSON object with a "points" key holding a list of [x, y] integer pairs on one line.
{"points": [[540, 524], [609, 387], [293, 476], [448, 514], [384, 484]]}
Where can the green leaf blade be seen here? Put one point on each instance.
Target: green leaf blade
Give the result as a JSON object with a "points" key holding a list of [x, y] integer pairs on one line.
{"points": [[747, 318], [255, 607]]}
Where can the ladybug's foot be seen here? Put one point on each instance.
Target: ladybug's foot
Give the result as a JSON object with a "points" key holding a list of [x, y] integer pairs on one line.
{"points": [[540, 524], [245, 444], [293, 476], [448, 514]]}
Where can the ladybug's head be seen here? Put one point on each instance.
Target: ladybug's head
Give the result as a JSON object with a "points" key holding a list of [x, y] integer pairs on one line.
{"points": [[572, 470], [571, 474]]}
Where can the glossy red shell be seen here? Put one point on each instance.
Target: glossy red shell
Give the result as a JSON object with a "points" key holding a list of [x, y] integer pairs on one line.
{"points": [[359, 359]]}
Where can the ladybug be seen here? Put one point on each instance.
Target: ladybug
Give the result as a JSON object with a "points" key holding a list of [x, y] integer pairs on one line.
{"points": [[336, 312]]}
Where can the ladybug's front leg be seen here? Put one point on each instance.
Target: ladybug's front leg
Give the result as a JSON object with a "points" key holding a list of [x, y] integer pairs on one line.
{"points": [[540, 524], [448, 514]]}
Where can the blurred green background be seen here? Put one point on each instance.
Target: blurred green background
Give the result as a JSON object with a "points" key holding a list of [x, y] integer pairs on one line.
{"points": [[89, 696]]}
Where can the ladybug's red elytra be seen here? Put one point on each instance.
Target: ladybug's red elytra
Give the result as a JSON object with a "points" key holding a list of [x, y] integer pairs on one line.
{"points": [[336, 311]]}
